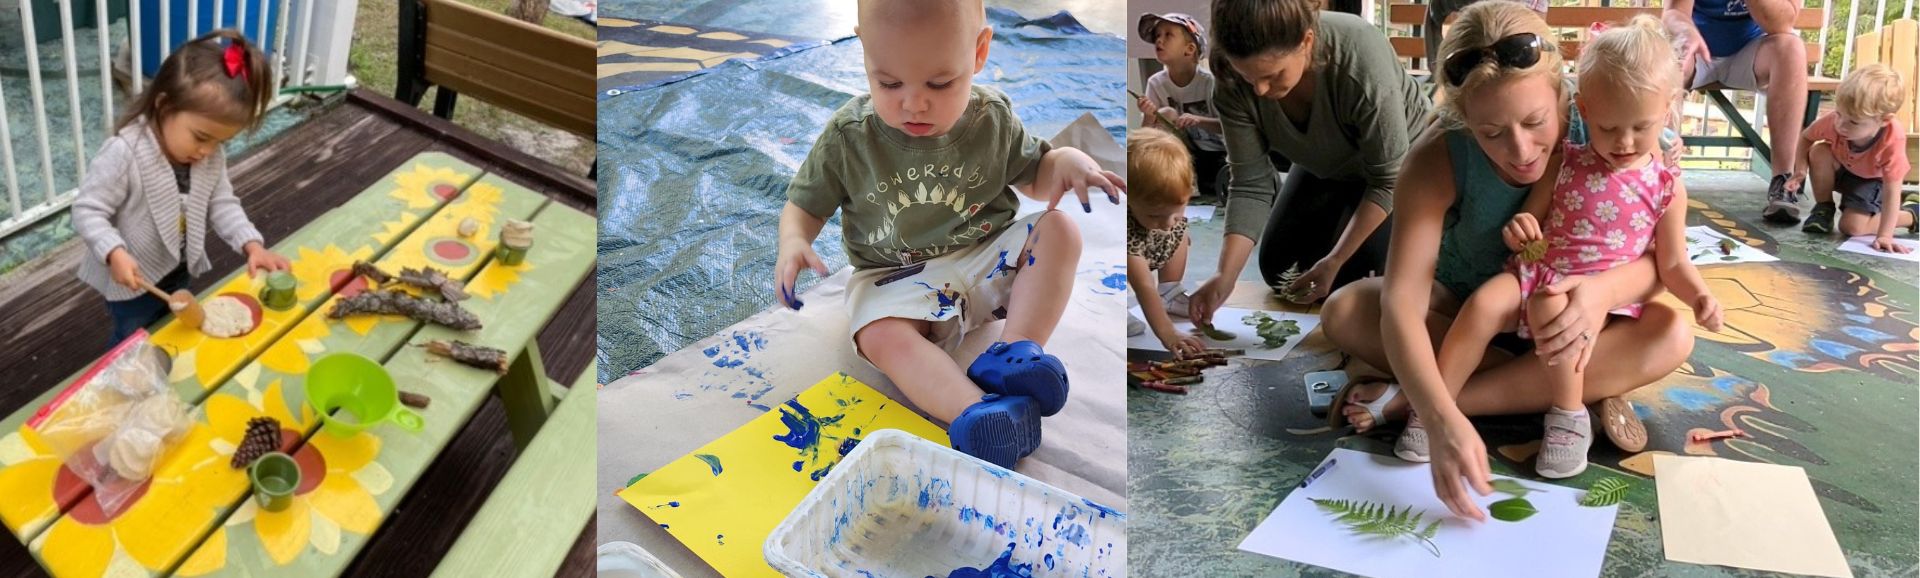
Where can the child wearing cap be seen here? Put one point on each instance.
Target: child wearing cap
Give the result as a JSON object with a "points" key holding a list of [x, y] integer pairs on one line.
{"points": [[1182, 92]]}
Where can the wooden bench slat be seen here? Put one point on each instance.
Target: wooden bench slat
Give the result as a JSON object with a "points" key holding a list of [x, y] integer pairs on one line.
{"points": [[195, 491], [570, 110], [538, 510], [562, 255], [565, 73], [353, 237]]}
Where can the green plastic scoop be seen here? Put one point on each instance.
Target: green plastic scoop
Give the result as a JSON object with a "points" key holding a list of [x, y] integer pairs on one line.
{"points": [[362, 393]]}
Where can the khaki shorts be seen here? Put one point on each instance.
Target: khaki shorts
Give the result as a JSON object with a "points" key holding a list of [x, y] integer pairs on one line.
{"points": [[956, 292], [1735, 72]]}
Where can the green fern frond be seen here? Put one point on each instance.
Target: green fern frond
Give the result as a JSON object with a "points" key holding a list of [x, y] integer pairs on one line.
{"points": [[1377, 520], [1606, 492]]}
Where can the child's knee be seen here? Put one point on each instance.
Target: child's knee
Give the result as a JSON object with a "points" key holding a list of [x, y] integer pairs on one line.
{"points": [[1543, 307], [1820, 157], [1056, 229], [882, 337], [1855, 223]]}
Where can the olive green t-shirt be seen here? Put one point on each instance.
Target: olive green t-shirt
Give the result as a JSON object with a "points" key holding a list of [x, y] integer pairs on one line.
{"points": [[1364, 115], [907, 199]]}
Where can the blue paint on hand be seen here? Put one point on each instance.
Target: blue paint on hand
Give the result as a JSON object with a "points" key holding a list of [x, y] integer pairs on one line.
{"points": [[1002, 567], [712, 461], [1085, 206]]}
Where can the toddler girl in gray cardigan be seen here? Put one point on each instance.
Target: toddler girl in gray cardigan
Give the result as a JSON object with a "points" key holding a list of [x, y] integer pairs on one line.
{"points": [[160, 181]]}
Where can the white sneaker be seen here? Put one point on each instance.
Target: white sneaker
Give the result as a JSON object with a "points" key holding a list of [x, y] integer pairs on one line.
{"points": [[1175, 297], [1563, 454], [1412, 445], [1135, 326]]}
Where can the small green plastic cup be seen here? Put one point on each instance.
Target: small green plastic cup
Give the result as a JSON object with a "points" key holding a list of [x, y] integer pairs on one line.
{"points": [[275, 476], [278, 294], [511, 256], [352, 393]]}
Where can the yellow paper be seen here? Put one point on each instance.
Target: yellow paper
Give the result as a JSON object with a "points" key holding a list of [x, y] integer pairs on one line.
{"points": [[1746, 515], [723, 499]]}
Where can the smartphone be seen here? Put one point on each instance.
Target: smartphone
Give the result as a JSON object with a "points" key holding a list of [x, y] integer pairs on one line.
{"points": [[1321, 387]]}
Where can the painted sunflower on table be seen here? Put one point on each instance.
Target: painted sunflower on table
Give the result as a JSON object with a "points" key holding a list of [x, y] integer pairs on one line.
{"points": [[420, 190], [339, 479], [144, 535]]}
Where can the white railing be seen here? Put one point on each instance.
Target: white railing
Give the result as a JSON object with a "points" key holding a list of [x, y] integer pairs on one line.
{"points": [[322, 29]]}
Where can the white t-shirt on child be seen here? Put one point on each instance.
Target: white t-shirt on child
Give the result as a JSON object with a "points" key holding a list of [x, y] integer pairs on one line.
{"points": [[1194, 98]]}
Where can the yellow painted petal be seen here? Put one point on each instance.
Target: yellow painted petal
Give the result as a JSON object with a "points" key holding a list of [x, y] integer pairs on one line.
{"points": [[183, 364], [227, 416], [284, 533], [155, 530], [375, 478], [124, 566], [276, 406], [211, 556], [28, 487], [346, 454], [341, 499], [71, 548], [326, 534]]}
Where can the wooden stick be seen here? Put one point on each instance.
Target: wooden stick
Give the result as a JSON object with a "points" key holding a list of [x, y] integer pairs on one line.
{"points": [[415, 400], [1164, 388]]}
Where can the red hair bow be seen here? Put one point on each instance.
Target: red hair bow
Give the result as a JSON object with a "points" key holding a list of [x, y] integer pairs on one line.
{"points": [[1598, 27], [236, 59]]}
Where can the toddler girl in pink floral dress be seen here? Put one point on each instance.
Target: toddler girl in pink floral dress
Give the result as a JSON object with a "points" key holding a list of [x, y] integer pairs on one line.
{"points": [[1615, 199]]}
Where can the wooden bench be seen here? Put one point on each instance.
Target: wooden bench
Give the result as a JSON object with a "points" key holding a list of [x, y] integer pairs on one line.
{"points": [[544, 502], [1897, 45], [538, 73], [1570, 24]]}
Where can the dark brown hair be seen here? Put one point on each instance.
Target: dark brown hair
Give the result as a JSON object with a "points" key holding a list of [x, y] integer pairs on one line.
{"points": [[1247, 28], [194, 79]]}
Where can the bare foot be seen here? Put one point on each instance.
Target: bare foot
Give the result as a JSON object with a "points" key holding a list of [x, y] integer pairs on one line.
{"points": [[1365, 392]]}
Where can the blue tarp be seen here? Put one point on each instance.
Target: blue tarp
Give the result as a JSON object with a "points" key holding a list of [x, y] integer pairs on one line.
{"points": [[693, 173]]}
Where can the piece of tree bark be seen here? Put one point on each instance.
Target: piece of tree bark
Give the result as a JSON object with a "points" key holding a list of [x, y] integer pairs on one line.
{"points": [[390, 302], [479, 356]]}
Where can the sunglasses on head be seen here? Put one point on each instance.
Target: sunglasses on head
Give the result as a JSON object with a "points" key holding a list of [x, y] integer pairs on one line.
{"points": [[1517, 51]]}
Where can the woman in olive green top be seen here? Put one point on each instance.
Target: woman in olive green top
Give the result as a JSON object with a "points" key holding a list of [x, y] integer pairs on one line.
{"points": [[1325, 90], [1503, 113]]}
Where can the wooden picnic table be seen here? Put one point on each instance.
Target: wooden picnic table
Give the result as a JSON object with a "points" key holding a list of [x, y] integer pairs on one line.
{"points": [[196, 516]]}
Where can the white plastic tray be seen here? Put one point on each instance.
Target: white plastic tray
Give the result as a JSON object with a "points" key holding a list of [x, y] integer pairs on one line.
{"points": [[629, 560], [901, 506]]}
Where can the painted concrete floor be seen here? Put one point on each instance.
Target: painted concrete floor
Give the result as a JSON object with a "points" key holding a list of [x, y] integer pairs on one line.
{"points": [[1819, 358]]}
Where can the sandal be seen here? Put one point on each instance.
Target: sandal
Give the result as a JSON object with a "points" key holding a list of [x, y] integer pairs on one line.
{"points": [[1338, 419], [1021, 368], [1622, 424]]}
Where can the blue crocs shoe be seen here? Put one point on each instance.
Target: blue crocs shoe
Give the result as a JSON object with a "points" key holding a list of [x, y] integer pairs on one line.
{"points": [[1021, 368], [999, 429]]}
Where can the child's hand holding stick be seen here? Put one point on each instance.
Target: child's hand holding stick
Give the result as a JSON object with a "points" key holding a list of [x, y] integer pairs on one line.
{"points": [[124, 269]]}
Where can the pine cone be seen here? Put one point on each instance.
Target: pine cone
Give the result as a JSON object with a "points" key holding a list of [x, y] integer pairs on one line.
{"points": [[263, 437]]}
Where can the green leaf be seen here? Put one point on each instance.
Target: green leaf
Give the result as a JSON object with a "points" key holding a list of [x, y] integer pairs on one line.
{"points": [[1216, 334], [1377, 520], [1606, 492], [1512, 510], [1510, 487]]}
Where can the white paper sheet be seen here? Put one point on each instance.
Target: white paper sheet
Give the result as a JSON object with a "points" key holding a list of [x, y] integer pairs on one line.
{"points": [[1746, 515], [1200, 213], [1564, 539], [1703, 247], [1231, 320], [1864, 245]]}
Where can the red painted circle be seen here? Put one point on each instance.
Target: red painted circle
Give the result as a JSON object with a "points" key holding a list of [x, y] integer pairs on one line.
{"points": [[450, 250], [89, 511], [253, 306], [446, 192], [313, 466], [346, 284]]}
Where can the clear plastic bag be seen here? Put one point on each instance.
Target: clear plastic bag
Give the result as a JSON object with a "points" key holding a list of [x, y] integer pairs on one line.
{"points": [[115, 423]]}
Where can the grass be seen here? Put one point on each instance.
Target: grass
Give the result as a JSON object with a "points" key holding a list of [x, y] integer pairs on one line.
{"points": [[373, 61]]}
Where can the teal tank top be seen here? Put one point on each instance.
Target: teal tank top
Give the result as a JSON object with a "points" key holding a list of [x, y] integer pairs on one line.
{"points": [[1471, 251]]}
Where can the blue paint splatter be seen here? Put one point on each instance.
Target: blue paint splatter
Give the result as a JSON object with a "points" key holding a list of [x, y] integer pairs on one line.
{"points": [[936, 493], [682, 395], [1002, 266], [712, 461], [663, 526], [728, 362], [1002, 567], [712, 351], [1049, 560], [1116, 281], [946, 299], [847, 445], [967, 514], [803, 434], [1105, 512], [1075, 533], [721, 538], [1692, 400]]}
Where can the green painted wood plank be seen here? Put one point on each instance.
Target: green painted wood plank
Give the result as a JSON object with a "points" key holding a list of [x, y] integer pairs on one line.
{"points": [[194, 492], [514, 302], [364, 227], [526, 395], [539, 509]]}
